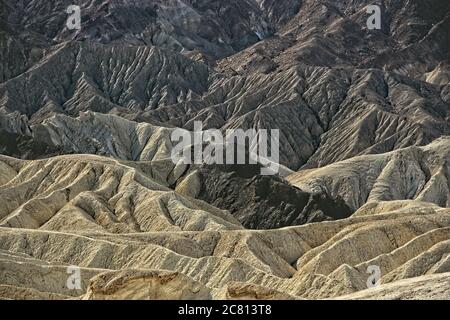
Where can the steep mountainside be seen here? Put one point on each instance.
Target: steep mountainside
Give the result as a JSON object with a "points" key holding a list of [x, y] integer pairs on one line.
{"points": [[324, 115], [124, 228], [413, 173], [87, 179]]}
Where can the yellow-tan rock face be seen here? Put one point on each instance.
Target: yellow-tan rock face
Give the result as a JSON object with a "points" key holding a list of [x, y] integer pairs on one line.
{"points": [[134, 238]]}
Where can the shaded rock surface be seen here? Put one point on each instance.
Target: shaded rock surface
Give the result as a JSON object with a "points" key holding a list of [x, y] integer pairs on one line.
{"points": [[259, 202]]}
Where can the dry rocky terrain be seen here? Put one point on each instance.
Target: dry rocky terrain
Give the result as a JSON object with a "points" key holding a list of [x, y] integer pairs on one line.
{"points": [[87, 179]]}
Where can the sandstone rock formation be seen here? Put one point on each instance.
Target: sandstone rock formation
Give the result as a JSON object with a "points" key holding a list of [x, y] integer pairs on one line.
{"points": [[420, 173], [259, 202], [87, 179], [433, 287], [115, 217]]}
